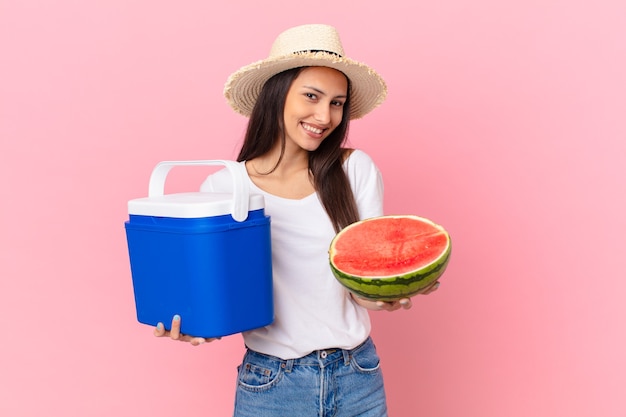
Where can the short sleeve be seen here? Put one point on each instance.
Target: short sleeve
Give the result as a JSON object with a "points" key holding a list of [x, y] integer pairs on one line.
{"points": [[367, 184]]}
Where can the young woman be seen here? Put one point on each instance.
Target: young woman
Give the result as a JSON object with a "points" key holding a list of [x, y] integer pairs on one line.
{"points": [[317, 358]]}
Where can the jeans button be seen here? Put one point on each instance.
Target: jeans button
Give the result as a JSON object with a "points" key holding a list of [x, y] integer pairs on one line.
{"points": [[323, 354]]}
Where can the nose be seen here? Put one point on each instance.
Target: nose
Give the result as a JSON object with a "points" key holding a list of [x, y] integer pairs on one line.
{"points": [[322, 113]]}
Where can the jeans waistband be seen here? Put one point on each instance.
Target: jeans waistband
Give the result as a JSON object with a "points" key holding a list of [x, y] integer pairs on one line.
{"points": [[321, 358]]}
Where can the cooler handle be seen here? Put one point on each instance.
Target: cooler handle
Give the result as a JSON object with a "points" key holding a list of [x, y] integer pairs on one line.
{"points": [[241, 193]]}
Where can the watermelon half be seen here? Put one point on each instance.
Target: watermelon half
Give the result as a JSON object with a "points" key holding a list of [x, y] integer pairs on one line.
{"points": [[389, 257]]}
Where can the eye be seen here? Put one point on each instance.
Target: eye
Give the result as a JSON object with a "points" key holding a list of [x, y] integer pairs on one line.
{"points": [[311, 96], [337, 103]]}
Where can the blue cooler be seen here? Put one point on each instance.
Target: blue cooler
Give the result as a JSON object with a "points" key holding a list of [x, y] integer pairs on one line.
{"points": [[204, 256]]}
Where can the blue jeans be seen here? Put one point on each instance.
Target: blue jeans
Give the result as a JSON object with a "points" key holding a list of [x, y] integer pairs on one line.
{"points": [[331, 382]]}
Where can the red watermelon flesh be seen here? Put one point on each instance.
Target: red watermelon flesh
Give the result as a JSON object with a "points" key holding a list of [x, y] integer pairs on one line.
{"points": [[391, 247], [390, 257]]}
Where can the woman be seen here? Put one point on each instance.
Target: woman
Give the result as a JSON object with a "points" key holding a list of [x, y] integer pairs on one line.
{"points": [[317, 358]]}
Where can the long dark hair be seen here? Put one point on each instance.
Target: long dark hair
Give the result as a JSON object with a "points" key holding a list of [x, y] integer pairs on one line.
{"points": [[266, 126]]}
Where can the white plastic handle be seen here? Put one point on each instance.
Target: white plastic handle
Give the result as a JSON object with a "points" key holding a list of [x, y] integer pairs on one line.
{"points": [[241, 192]]}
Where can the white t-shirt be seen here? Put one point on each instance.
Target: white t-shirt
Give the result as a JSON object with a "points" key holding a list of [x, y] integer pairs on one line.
{"points": [[312, 310]]}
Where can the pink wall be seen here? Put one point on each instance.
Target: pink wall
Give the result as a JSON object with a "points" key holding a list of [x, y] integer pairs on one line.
{"points": [[504, 123]]}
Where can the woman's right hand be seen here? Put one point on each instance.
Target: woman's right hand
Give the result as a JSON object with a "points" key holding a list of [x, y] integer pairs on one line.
{"points": [[175, 334]]}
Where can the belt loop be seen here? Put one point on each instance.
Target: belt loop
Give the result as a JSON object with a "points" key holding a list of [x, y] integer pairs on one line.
{"points": [[287, 365], [346, 356]]}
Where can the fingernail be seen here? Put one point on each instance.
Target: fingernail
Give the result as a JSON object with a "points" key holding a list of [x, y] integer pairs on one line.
{"points": [[159, 326], [177, 317]]}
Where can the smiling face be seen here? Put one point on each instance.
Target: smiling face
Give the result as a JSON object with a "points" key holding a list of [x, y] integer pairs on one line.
{"points": [[314, 107]]}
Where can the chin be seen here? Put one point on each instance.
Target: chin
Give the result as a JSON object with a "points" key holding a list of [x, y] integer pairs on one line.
{"points": [[311, 148]]}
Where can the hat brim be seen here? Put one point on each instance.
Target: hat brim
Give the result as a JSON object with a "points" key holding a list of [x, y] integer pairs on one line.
{"points": [[244, 86]]}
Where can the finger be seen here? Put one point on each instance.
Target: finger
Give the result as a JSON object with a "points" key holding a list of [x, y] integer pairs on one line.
{"points": [[434, 287], [393, 306], [388, 305], [197, 341], [431, 288], [406, 303], [175, 331], [159, 330]]}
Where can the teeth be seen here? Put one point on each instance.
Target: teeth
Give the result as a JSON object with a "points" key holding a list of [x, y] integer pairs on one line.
{"points": [[312, 129]]}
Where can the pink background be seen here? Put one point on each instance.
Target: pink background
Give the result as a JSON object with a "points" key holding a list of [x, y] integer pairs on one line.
{"points": [[505, 122]]}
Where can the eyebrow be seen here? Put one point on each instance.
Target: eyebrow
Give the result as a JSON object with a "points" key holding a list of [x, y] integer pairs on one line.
{"points": [[322, 92]]}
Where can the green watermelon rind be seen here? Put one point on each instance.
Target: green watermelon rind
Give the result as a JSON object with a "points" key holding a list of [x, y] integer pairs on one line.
{"points": [[395, 287]]}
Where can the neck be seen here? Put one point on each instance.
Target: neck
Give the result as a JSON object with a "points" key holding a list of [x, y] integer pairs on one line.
{"points": [[293, 160]]}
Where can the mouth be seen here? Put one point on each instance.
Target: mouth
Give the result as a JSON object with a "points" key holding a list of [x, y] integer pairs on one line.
{"points": [[312, 129]]}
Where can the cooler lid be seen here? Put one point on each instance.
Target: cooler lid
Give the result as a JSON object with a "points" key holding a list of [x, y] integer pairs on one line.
{"points": [[190, 205]]}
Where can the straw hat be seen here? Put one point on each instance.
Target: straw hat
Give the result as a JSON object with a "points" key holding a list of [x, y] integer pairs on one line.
{"points": [[301, 46]]}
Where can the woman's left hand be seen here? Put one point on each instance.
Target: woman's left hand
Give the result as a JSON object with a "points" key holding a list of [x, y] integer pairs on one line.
{"points": [[404, 303]]}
